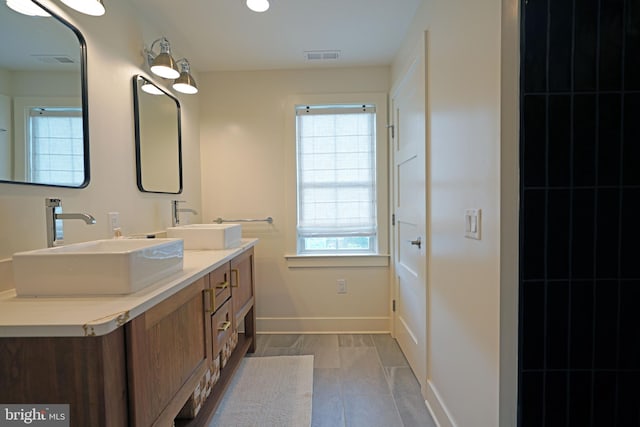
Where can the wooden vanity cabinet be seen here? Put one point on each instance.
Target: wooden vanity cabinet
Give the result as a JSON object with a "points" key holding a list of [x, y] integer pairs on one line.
{"points": [[144, 372], [168, 352], [242, 292]]}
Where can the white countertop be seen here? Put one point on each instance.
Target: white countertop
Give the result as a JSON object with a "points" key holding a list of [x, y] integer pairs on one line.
{"points": [[100, 315]]}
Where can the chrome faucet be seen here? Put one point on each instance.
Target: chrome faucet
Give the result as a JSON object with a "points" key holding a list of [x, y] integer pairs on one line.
{"points": [[53, 208], [175, 212]]}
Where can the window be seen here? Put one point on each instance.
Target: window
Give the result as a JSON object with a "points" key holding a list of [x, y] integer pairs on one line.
{"points": [[56, 146], [336, 179]]}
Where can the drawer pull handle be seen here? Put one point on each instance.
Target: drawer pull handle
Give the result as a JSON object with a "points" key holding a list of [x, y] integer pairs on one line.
{"points": [[222, 285], [212, 300], [235, 283], [224, 326]]}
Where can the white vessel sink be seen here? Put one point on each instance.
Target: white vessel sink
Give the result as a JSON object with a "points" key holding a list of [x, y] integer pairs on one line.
{"points": [[208, 236], [100, 267]]}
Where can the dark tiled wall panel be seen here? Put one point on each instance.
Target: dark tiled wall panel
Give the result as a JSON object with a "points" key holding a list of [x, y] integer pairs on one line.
{"points": [[580, 207]]}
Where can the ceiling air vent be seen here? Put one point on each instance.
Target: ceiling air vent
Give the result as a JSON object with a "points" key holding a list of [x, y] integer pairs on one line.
{"points": [[54, 59], [322, 55]]}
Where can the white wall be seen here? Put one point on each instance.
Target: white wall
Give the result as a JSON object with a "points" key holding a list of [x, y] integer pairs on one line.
{"points": [[463, 98], [244, 146], [114, 45], [5, 81]]}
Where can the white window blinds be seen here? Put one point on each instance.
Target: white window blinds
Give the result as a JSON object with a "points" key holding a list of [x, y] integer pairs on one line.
{"points": [[336, 178], [56, 150]]}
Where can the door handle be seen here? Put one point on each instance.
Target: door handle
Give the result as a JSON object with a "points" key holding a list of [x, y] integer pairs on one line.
{"points": [[212, 300], [222, 285], [417, 242]]}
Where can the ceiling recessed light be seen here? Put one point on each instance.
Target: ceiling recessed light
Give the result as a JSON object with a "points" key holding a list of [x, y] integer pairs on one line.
{"points": [[258, 5]]}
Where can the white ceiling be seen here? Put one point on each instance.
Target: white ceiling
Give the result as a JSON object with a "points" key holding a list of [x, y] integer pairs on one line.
{"points": [[225, 35]]}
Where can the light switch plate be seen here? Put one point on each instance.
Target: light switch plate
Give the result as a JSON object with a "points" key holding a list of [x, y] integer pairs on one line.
{"points": [[472, 223]]}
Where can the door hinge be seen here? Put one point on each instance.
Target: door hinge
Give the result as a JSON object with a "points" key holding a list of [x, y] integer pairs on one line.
{"points": [[394, 306], [393, 130], [393, 219]]}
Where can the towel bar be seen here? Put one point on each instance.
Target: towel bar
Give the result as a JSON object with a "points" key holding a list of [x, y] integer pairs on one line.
{"points": [[220, 220]]}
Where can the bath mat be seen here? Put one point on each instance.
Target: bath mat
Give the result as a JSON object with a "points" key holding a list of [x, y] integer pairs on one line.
{"points": [[268, 392]]}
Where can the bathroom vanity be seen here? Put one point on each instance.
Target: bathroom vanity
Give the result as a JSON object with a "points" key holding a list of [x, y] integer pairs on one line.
{"points": [[161, 355]]}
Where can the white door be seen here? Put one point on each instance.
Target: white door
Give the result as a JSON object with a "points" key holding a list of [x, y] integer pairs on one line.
{"points": [[6, 153], [409, 198]]}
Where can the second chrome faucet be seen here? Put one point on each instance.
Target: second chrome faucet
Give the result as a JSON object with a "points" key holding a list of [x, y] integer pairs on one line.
{"points": [[175, 212]]}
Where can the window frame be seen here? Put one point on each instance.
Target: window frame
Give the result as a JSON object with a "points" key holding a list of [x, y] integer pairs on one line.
{"points": [[381, 256], [21, 110], [303, 111], [30, 146]]}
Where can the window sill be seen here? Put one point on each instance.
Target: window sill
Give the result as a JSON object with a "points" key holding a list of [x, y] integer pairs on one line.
{"points": [[319, 261]]}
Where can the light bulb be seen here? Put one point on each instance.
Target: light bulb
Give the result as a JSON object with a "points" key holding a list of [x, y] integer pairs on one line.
{"points": [[185, 88], [258, 5], [151, 89]]}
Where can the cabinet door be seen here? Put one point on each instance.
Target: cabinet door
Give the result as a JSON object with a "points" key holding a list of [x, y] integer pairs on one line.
{"points": [[87, 373], [242, 284], [169, 350]]}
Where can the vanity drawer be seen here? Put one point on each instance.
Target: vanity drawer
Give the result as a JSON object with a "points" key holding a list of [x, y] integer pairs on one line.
{"points": [[219, 287], [222, 326]]}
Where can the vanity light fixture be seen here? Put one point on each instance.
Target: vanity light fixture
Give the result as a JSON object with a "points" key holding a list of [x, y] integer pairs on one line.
{"points": [[27, 7], [162, 64], [88, 7], [185, 83], [150, 88], [258, 5]]}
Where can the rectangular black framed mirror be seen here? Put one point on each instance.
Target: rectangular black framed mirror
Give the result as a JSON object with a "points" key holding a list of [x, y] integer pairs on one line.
{"points": [[158, 138], [44, 118]]}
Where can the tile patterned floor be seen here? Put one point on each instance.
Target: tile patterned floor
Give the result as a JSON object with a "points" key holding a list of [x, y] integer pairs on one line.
{"points": [[358, 380]]}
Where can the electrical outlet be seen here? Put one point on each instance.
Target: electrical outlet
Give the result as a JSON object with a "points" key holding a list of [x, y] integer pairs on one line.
{"points": [[114, 221], [342, 286]]}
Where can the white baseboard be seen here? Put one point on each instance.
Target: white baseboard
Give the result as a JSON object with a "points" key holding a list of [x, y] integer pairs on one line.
{"points": [[322, 325], [438, 409], [433, 416]]}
